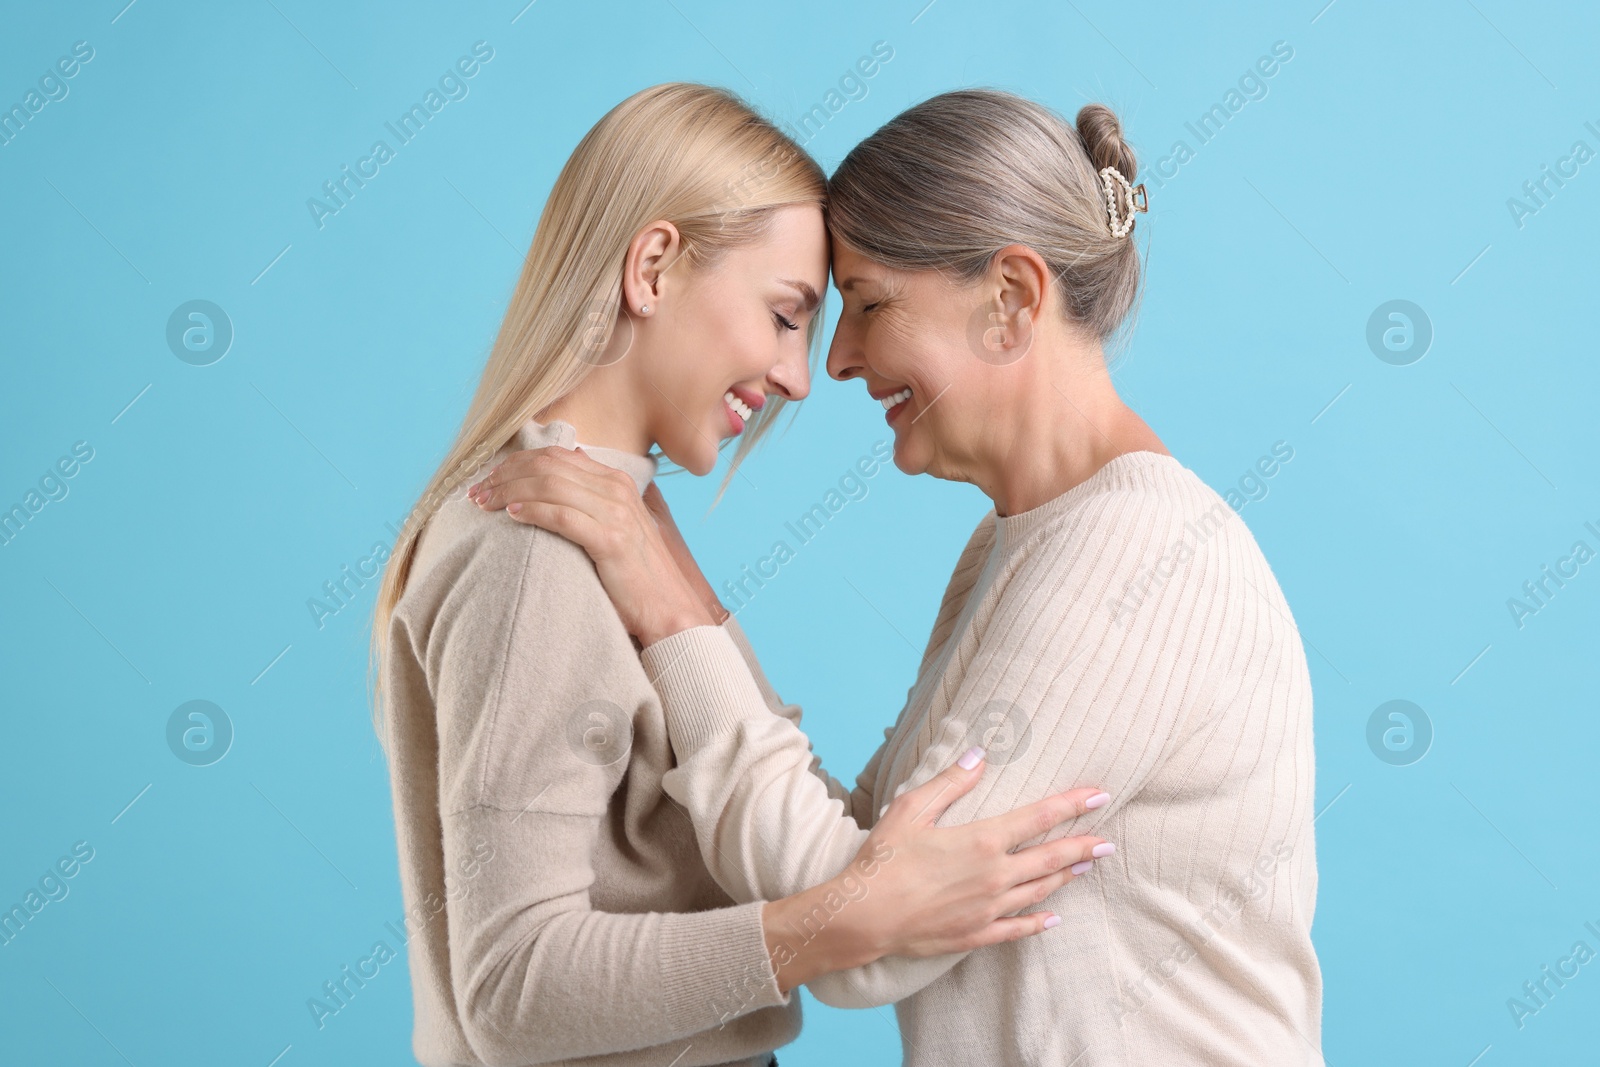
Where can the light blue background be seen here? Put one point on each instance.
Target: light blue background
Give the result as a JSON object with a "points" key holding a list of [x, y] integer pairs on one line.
{"points": [[1377, 167]]}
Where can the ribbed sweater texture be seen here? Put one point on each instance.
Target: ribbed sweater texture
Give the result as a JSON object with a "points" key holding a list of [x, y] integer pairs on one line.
{"points": [[1127, 634]]}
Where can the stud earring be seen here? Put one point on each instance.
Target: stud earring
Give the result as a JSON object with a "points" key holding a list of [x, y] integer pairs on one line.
{"points": [[644, 309]]}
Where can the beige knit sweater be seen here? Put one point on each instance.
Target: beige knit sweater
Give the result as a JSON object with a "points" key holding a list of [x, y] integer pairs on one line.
{"points": [[557, 910], [1127, 634]]}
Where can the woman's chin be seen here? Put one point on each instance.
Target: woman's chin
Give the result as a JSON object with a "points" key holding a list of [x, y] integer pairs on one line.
{"points": [[697, 456], [907, 459]]}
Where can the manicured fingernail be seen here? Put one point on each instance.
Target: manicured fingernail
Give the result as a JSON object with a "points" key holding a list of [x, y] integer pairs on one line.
{"points": [[1052, 922], [514, 508], [1099, 800], [970, 758], [1103, 849], [1079, 868]]}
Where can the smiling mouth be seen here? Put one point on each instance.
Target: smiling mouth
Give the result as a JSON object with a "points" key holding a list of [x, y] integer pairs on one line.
{"points": [[895, 403], [740, 408], [738, 412], [893, 399]]}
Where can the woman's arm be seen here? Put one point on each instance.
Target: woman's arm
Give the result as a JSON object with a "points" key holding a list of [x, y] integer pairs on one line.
{"points": [[539, 974], [858, 801], [766, 827]]}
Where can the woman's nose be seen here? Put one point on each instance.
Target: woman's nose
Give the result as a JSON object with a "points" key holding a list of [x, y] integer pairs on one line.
{"points": [[844, 360], [791, 378]]}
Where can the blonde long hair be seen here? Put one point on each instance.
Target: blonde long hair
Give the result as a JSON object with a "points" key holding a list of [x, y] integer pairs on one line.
{"points": [[694, 155]]}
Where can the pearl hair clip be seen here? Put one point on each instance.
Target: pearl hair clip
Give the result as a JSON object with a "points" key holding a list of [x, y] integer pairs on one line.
{"points": [[1137, 198]]}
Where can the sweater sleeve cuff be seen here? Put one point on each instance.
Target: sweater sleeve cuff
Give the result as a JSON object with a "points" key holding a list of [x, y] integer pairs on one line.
{"points": [[717, 958], [704, 684]]}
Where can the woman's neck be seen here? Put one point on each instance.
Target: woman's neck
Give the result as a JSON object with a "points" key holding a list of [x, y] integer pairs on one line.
{"points": [[600, 419], [1063, 430]]}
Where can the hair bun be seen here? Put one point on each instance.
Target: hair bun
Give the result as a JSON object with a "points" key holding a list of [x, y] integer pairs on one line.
{"points": [[1101, 133]]}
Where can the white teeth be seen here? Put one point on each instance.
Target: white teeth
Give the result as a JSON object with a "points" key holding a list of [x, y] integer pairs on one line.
{"points": [[891, 401], [740, 408]]}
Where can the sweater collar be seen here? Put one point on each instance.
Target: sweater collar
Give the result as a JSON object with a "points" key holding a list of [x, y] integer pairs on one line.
{"points": [[535, 434], [1120, 470]]}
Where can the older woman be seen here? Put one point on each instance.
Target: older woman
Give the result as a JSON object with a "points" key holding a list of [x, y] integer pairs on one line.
{"points": [[1110, 616]]}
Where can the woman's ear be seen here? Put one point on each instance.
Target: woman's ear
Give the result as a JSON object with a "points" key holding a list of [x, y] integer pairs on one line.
{"points": [[651, 253], [1022, 278], [1015, 290]]}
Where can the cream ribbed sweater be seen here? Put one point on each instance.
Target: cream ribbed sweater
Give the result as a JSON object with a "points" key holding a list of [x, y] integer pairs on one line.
{"points": [[1127, 634], [557, 909]]}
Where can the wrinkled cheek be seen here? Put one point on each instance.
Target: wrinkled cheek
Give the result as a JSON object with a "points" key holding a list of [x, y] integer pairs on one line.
{"points": [[887, 350]]}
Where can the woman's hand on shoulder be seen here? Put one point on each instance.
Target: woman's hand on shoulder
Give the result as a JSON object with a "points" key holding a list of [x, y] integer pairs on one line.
{"points": [[600, 509]]}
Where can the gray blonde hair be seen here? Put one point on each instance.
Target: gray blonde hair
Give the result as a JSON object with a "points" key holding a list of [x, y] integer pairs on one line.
{"points": [[694, 155], [946, 184]]}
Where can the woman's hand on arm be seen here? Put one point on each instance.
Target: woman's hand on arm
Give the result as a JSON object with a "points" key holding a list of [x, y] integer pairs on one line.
{"points": [[643, 562], [918, 889]]}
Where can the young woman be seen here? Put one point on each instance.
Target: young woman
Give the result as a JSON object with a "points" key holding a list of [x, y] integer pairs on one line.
{"points": [[1110, 613], [560, 910]]}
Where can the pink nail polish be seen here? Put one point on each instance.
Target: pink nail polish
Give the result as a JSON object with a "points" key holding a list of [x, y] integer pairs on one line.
{"points": [[1099, 800], [1103, 849], [1052, 922], [1079, 868], [970, 758], [514, 508]]}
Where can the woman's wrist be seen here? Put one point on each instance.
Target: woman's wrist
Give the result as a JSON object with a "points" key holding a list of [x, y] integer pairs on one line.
{"points": [[816, 932], [673, 622], [703, 590]]}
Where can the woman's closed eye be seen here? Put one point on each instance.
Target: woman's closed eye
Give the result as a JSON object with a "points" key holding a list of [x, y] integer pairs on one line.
{"points": [[785, 323]]}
